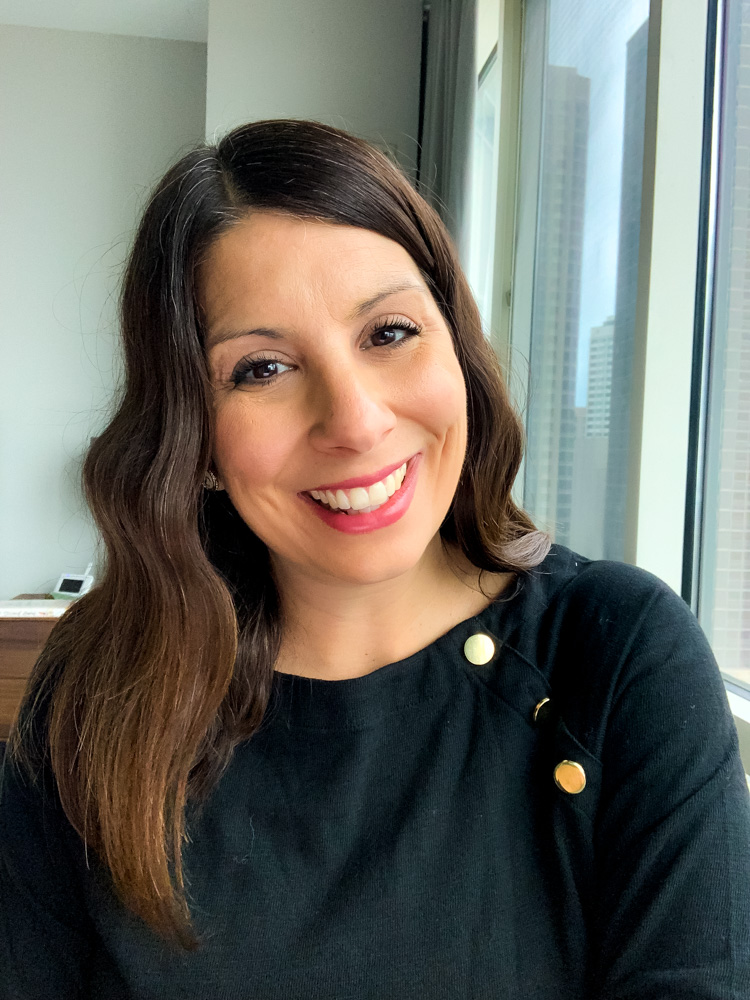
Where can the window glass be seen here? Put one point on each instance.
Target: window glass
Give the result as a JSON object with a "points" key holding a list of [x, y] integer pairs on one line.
{"points": [[583, 107], [483, 203], [724, 592]]}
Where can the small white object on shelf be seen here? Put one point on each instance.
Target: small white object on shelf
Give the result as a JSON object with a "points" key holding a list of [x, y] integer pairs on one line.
{"points": [[73, 584]]}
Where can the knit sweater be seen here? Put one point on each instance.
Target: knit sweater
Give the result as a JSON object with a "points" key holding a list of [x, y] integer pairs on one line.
{"points": [[436, 829]]}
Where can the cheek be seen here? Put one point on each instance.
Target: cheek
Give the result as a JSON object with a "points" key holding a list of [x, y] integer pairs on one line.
{"points": [[440, 392], [245, 449]]}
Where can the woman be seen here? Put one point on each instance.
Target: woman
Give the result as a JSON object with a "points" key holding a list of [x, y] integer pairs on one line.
{"points": [[337, 721]]}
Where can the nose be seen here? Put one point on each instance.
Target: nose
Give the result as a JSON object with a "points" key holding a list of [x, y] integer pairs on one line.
{"points": [[350, 411]]}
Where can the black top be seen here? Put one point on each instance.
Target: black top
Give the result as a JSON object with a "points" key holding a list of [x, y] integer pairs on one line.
{"points": [[401, 835]]}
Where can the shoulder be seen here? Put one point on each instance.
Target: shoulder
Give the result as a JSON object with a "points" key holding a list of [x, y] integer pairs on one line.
{"points": [[568, 577], [597, 628], [569, 596], [613, 638]]}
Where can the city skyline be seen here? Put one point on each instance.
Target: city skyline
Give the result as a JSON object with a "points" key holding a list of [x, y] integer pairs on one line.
{"points": [[592, 36], [551, 422], [574, 439]]}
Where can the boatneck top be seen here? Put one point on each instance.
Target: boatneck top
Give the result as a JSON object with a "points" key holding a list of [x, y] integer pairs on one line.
{"points": [[545, 802]]}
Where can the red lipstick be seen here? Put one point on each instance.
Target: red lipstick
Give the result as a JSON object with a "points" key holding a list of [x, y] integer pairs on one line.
{"points": [[365, 481], [392, 510]]}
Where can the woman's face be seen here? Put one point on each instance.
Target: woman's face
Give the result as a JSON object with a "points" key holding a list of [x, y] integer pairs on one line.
{"points": [[332, 368]]}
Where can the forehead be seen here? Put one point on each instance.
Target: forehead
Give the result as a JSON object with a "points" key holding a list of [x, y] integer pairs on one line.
{"points": [[274, 260]]}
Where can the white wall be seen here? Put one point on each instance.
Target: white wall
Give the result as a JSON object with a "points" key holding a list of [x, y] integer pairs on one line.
{"points": [[87, 123], [351, 64], [184, 19]]}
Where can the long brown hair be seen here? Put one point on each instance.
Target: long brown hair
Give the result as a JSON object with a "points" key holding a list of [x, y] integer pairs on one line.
{"points": [[150, 680]]}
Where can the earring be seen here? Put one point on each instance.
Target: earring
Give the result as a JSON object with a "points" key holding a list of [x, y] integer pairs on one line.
{"points": [[210, 482]]}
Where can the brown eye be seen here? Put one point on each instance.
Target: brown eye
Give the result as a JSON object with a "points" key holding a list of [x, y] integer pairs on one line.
{"points": [[259, 370], [393, 334]]}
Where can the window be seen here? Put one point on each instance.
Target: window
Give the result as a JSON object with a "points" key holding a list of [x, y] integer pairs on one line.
{"points": [[724, 573], [484, 187], [617, 213], [582, 126]]}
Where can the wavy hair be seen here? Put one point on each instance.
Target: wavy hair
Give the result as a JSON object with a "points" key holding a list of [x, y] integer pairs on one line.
{"points": [[150, 680]]}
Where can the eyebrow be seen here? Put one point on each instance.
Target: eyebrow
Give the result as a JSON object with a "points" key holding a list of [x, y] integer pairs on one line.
{"points": [[399, 286], [359, 310]]}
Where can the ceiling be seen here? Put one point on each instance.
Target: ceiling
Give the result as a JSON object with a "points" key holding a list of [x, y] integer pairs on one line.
{"points": [[179, 19]]}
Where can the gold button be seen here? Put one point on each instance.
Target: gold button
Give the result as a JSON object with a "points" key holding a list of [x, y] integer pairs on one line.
{"points": [[570, 777], [542, 710], [479, 648]]}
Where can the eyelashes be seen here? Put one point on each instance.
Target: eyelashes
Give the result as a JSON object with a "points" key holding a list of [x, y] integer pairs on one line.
{"points": [[264, 369]]}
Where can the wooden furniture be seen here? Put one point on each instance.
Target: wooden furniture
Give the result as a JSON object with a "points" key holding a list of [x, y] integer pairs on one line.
{"points": [[21, 641]]}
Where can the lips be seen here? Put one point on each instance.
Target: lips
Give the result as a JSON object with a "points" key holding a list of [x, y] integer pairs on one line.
{"points": [[364, 498], [363, 481], [383, 515]]}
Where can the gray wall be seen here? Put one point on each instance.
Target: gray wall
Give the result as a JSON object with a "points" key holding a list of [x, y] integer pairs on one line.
{"points": [[353, 65], [87, 123]]}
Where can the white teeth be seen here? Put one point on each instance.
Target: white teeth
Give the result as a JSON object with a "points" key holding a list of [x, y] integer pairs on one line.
{"points": [[362, 500], [378, 494], [359, 498]]}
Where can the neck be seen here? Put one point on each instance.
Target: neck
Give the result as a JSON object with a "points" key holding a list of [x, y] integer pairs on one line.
{"points": [[334, 630]]}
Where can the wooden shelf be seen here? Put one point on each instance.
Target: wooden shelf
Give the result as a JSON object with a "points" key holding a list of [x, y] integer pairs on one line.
{"points": [[21, 642]]}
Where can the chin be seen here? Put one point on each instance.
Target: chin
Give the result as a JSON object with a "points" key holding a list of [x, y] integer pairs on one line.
{"points": [[378, 563]]}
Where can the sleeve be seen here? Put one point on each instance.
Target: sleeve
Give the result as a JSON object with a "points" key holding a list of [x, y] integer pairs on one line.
{"points": [[45, 934], [672, 840]]}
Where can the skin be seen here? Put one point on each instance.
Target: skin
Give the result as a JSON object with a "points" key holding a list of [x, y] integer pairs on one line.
{"points": [[342, 403]]}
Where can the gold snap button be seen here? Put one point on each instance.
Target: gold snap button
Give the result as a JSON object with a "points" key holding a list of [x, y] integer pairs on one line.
{"points": [[542, 710], [570, 777], [479, 649]]}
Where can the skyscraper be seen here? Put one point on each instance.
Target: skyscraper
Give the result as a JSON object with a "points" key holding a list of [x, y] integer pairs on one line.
{"points": [[551, 423], [600, 379], [627, 280], [590, 452]]}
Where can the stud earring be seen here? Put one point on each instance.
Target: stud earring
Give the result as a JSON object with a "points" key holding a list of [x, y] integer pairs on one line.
{"points": [[210, 482]]}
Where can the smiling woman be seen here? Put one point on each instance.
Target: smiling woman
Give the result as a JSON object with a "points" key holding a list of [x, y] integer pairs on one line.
{"points": [[334, 690], [324, 396]]}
